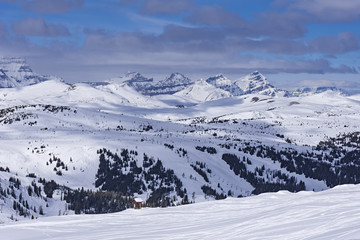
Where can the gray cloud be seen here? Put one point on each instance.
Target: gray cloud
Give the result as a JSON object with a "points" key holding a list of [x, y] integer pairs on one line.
{"points": [[53, 6], [327, 10], [38, 27], [126, 3], [338, 44], [212, 39], [176, 33], [342, 43], [48, 6], [286, 24], [320, 66], [166, 6], [265, 24], [156, 52], [3, 29], [122, 42], [214, 15]]}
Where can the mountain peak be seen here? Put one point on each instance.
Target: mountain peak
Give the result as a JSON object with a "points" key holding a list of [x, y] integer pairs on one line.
{"points": [[15, 72], [257, 76], [201, 90], [255, 82], [176, 79], [135, 77]]}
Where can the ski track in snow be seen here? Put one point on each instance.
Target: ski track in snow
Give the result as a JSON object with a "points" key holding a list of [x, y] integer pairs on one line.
{"points": [[331, 214]]}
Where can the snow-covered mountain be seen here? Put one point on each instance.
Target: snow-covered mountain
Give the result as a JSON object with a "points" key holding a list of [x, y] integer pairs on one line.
{"points": [[147, 86], [255, 83], [15, 72], [84, 148], [178, 84], [202, 91], [134, 80], [222, 82], [172, 84]]}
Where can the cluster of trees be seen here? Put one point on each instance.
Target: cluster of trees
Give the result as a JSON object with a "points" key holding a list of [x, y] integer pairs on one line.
{"points": [[257, 178], [90, 202], [122, 174], [6, 169], [201, 169], [7, 119], [56, 109], [210, 150], [335, 161], [208, 191], [19, 195], [59, 165]]}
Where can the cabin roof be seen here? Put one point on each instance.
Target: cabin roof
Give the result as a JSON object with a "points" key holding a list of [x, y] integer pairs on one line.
{"points": [[138, 200]]}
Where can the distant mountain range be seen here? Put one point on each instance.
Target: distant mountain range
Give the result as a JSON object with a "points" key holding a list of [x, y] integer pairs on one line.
{"points": [[15, 72]]}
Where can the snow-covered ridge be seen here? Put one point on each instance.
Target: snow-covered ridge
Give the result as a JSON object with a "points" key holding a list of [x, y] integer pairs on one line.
{"points": [[176, 83], [15, 72]]}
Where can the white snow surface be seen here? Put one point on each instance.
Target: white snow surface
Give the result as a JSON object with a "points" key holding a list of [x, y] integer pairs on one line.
{"points": [[331, 214], [202, 91], [114, 117]]}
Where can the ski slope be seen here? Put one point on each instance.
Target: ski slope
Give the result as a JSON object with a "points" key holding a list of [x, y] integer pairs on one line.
{"points": [[71, 123], [331, 214]]}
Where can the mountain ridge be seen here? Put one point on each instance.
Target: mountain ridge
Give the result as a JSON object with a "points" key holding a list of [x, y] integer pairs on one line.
{"points": [[15, 72]]}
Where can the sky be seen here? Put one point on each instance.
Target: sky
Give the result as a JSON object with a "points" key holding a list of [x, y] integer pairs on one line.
{"points": [[292, 42]]}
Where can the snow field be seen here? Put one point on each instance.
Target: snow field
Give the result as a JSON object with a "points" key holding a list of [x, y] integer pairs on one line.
{"points": [[331, 214]]}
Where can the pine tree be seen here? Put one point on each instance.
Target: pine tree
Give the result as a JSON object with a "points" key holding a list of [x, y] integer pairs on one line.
{"points": [[41, 211]]}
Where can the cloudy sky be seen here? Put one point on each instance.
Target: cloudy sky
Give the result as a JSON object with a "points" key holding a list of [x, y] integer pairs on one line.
{"points": [[292, 42]]}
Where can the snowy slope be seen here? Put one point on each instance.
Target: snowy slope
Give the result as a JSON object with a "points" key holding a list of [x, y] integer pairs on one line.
{"points": [[211, 143], [332, 214], [202, 91]]}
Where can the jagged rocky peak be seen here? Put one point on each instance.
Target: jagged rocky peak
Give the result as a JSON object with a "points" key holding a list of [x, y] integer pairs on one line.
{"points": [[222, 82], [175, 79], [15, 72], [135, 77], [255, 83], [257, 76], [219, 80], [170, 85], [134, 80], [255, 80]]}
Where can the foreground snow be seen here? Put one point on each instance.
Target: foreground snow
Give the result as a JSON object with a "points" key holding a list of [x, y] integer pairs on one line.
{"points": [[331, 214]]}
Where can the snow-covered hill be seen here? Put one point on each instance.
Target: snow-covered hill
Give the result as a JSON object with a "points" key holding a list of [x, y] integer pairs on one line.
{"points": [[80, 143], [202, 91], [332, 214]]}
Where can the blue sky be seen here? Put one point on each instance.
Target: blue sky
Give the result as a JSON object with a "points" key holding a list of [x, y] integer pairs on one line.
{"points": [[293, 42]]}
